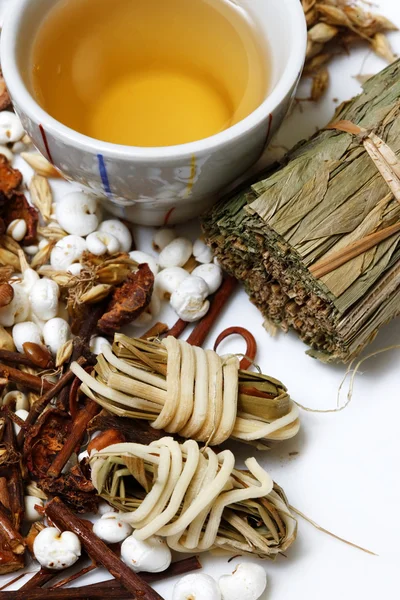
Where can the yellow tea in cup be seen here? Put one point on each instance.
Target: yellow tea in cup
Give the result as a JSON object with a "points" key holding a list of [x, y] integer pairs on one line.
{"points": [[149, 72]]}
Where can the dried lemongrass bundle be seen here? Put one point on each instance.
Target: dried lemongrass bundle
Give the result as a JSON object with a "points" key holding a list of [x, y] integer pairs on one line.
{"points": [[190, 391], [196, 499], [317, 241], [340, 23]]}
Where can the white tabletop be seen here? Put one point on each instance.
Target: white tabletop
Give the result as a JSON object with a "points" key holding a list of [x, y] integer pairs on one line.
{"points": [[344, 476]]}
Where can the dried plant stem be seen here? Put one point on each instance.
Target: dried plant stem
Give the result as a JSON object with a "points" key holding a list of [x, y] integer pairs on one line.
{"points": [[334, 261], [65, 519], [39, 579], [38, 407], [16, 358], [79, 427], [14, 539], [32, 382]]}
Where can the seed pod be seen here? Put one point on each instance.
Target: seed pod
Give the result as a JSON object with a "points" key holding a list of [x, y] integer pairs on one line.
{"points": [[39, 164], [7, 258], [382, 47], [41, 195], [320, 84], [38, 354], [322, 33], [64, 353], [96, 294]]}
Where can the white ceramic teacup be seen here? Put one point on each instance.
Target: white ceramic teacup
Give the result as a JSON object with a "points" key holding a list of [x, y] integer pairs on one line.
{"points": [[154, 186]]}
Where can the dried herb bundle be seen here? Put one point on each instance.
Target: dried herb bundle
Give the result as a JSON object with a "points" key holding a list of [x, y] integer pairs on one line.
{"points": [[317, 242], [335, 24], [190, 391], [196, 499]]}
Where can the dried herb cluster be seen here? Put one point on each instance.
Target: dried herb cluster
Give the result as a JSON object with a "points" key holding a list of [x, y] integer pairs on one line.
{"points": [[335, 25]]}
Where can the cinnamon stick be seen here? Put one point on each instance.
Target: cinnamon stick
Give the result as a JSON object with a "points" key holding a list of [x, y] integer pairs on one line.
{"points": [[177, 329], [33, 382], [38, 407], [65, 519], [203, 327], [155, 331], [79, 426]]}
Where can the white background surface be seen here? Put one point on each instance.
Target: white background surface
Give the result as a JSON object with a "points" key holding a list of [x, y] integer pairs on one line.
{"points": [[345, 476]]}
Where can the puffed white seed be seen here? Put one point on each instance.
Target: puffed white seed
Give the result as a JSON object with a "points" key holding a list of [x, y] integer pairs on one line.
{"points": [[118, 230], [111, 529], [26, 332], [56, 551], [189, 300], [101, 242], [196, 586], [18, 309], [212, 275], [75, 269], [96, 344], [143, 257], [77, 213], [67, 251], [152, 555], [202, 252], [168, 281], [56, 333], [11, 129], [44, 299], [17, 229], [176, 254], [162, 238], [7, 153], [247, 582]]}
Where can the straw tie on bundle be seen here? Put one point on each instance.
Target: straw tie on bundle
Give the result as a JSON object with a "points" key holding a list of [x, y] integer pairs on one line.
{"points": [[190, 391], [196, 499]]}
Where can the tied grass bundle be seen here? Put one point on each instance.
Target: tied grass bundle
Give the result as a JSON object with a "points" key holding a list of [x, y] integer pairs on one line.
{"points": [[196, 499], [190, 391], [316, 242]]}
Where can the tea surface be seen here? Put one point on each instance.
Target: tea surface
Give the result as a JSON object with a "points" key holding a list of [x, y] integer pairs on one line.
{"points": [[149, 72]]}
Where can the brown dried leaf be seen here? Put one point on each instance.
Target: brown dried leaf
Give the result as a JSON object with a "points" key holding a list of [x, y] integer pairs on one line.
{"points": [[128, 301], [10, 179], [41, 195]]}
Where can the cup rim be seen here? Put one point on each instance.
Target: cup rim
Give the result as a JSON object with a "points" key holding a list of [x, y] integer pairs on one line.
{"points": [[36, 113]]}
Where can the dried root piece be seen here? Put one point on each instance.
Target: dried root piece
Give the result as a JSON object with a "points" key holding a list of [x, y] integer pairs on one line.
{"points": [[196, 499], [128, 301], [190, 391]]}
